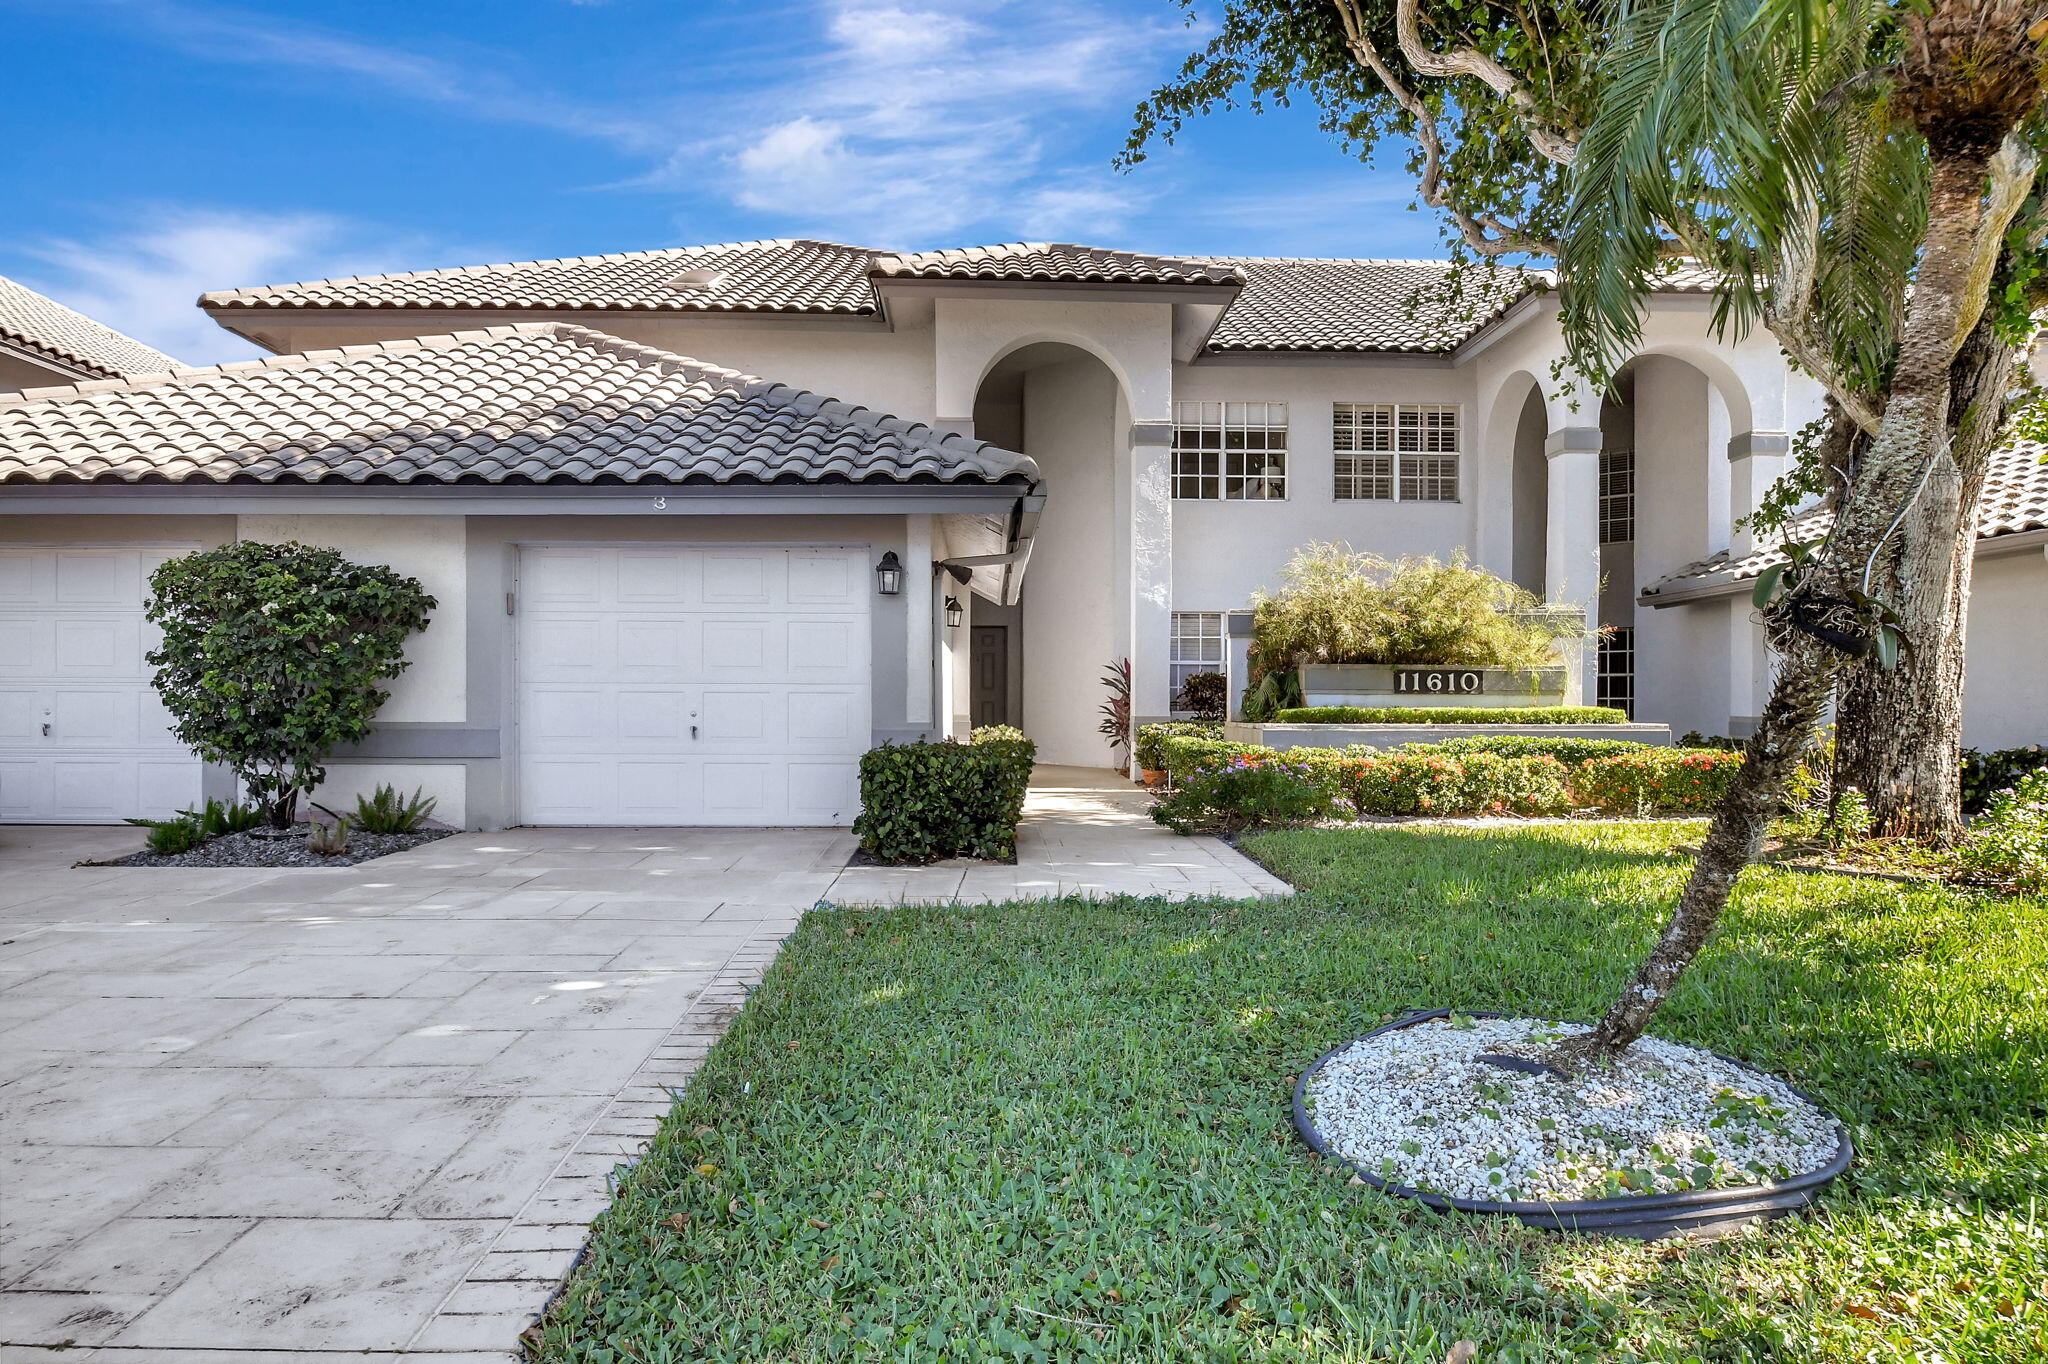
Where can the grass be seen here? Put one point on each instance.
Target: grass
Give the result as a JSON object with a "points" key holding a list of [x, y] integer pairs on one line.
{"points": [[1053, 1132]]}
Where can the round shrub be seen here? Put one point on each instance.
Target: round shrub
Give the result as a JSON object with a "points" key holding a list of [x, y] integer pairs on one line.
{"points": [[1150, 749], [273, 655], [1245, 791]]}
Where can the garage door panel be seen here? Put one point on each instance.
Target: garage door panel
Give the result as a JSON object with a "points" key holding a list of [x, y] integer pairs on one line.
{"points": [[701, 693], [96, 578], [72, 651], [662, 644]]}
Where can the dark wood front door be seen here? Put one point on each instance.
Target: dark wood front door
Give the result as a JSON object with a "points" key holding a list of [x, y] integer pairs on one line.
{"points": [[989, 661]]}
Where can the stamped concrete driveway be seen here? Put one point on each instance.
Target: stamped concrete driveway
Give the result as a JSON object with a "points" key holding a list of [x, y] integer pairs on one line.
{"points": [[260, 1115], [366, 1110]]}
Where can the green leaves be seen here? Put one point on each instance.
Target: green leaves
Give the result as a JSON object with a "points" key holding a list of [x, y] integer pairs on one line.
{"points": [[926, 801], [272, 655]]}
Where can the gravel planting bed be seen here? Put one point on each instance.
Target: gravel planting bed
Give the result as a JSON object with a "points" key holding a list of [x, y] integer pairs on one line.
{"points": [[254, 850], [1414, 1108]]}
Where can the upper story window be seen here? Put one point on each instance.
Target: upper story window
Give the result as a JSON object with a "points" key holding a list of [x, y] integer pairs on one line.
{"points": [[1617, 496], [1396, 451], [1231, 452]]}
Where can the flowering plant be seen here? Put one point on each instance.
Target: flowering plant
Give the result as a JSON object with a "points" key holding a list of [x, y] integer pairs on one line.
{"points": [[1258, 790], [2008, 843]]}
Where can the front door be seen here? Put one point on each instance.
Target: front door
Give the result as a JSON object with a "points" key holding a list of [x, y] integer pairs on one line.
{"points": [[989, 660]]}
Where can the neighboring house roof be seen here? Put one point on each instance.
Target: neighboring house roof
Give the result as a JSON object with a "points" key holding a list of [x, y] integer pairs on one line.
{"points": [[1055, 262], [784, 275], [47, 329], [1283, 304], [2015, 499], [539, 402], [1295, 304]]}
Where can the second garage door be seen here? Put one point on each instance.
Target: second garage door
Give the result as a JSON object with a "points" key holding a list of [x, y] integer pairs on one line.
{"points": [[692, 685]]}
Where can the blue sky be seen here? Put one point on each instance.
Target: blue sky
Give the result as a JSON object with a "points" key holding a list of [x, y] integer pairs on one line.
{"points": [[162, 147]]}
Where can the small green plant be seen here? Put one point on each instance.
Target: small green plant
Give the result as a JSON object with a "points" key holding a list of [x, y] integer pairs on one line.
{"points": [[328, 840], [169, 837], [2007, 845], [384, 811]]}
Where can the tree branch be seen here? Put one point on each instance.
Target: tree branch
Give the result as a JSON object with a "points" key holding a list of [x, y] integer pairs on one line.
{"points": [[1483, 232], [1548, 139]]}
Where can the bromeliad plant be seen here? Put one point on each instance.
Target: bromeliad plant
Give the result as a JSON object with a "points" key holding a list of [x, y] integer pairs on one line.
{"points": [[273, 655]]}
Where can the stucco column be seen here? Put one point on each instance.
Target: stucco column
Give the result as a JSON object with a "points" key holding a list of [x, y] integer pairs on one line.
{"points": [[920, 662], [1149, 553], [1237, 661], [1756, 460], [1571, 559]]}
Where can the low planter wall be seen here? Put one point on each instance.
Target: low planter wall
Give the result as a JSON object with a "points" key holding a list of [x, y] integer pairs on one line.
{"points": [[1393, 736], [1402, 684]]}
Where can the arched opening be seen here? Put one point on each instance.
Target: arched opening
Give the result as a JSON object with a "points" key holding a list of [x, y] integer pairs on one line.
{"points": [[1530, 489], [1040, 663], [1663, 505]]}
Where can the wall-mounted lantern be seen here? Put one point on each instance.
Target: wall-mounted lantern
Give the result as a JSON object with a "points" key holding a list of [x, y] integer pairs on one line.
{"points": [[955, 613], [889, 575]]}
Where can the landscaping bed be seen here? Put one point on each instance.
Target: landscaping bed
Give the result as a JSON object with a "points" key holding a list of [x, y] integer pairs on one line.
{"points": [[257, 850], [1061, 1131]]}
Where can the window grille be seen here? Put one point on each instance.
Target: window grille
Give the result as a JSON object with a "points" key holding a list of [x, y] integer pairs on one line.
{"points": [[1230, 452], [1617, 670], [1196, 646], [1617, 496], [1395, 451]]}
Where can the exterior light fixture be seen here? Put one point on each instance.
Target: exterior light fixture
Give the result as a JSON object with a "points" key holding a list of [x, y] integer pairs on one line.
{"points": [[889, 575], [955, 613]]}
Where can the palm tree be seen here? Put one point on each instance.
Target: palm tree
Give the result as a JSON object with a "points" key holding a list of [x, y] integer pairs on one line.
{"points": [[1766, 137]]}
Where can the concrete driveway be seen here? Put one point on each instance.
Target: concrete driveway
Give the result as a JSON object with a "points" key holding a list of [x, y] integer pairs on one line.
{"points": [[361, 1110], [370, 1110]]}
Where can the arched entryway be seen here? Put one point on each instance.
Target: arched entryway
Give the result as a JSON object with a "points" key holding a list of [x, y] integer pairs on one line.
{"points": [[1063, 406]]}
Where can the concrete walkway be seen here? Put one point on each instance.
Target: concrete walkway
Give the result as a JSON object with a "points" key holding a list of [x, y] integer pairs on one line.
{"points": [[370, 1111]]}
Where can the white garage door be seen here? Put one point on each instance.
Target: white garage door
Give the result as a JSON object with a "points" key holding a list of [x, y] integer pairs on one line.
{"points": [[83, 738], [697, 685]]}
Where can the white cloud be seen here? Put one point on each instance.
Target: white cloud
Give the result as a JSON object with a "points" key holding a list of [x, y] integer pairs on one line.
{"points": [[144, 280]]}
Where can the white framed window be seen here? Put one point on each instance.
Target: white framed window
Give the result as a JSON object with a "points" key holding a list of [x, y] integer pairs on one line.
{"points": [[1230, 452], [1196, 646], [1406, 452], [1616, 685], [1617, 496]]}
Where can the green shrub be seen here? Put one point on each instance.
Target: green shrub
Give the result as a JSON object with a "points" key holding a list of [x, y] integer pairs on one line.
{"points": [[1565, 748], [384, 811], [272, 655], [219, 817], [1692, 738], [1987, 774], [169, 837], [1657, 780], [1151, 746], [1204, 695], [1450, 715], [1180, 754], [925, 801], [1471, 784], [992, 734], [2008, 843], [1336, 606], [1263, 790]]}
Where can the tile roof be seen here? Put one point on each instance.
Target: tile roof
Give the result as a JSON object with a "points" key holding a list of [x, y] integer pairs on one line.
{"points": [[1055, 262], [536, 402], [783, 275], [2015, 499], [46, 327], [1293, 304]]}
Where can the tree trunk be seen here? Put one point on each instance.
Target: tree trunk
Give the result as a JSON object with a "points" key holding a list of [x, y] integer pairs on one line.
{"points": [[1898, 731], [1910, 447]]}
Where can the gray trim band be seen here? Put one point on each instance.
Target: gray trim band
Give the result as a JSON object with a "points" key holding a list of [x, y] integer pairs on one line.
{"points": [[445, 742]]}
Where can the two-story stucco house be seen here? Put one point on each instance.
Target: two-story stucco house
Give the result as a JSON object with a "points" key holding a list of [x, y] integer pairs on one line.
{"points": [[679, 586]]}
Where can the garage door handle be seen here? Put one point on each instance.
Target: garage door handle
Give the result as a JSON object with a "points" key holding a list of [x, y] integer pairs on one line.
{"points": [[46, 729], [693, 730]]}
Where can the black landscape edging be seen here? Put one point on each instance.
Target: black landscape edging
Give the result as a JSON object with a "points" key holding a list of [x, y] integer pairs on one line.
{"points": [[1702, 1213]]}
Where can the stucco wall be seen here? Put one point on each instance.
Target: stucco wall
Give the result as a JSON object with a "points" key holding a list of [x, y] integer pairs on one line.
{"points": [[1069, 408], [1224, 551], [430, 548]]}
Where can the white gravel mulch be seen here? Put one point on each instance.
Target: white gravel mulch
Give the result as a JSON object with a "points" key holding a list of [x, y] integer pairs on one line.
{"points": [[1412, 1107]]}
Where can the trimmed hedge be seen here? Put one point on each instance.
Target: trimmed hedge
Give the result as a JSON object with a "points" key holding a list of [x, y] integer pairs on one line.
{"points": [[1474, 784], [1660, 780], [1265, 790], [1566, 749], [1450, 715], [925, 801], [1150, 751]]}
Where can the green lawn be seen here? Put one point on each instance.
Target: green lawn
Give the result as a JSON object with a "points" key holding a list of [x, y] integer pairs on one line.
{"points": [[1060, 1131]]}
